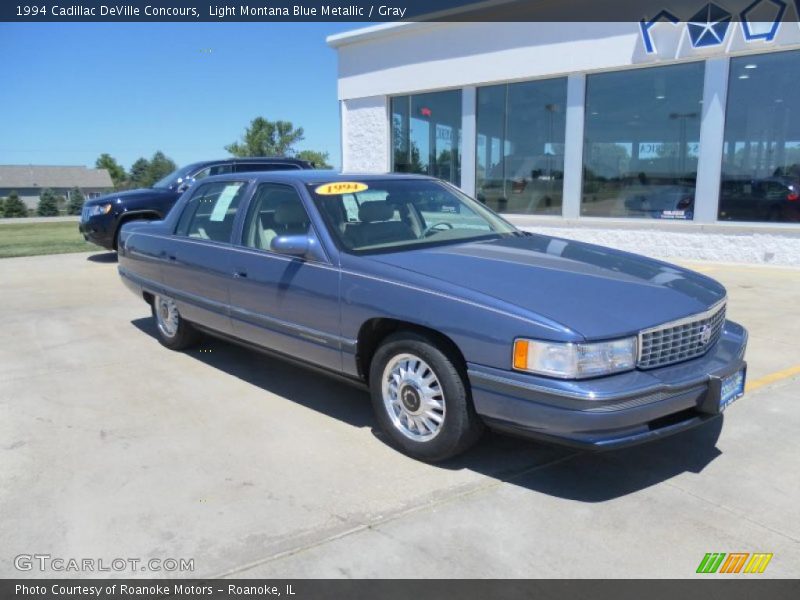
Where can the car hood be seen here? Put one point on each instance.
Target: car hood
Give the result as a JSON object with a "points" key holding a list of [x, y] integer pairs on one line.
{"points": [[597, 292], [137, 194]]}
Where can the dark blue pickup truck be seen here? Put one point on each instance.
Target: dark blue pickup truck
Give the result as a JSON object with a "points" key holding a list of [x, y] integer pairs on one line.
{"points": [[102, 217]]}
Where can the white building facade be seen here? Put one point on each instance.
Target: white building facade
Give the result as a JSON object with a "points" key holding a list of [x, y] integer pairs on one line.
{"points": [[673, 139]]}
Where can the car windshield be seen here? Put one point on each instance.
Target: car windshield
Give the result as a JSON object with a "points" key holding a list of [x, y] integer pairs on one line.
{"points": [[174, 179], [393, 214]]}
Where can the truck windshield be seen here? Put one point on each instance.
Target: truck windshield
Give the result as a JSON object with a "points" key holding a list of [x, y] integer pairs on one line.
{"points": [[394, 214], [174, 179]]}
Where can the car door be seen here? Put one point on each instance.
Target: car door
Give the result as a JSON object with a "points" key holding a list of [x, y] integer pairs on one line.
{"points": [[197, 258], [283, 303]]}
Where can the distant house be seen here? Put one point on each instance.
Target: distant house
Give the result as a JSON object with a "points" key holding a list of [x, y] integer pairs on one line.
{"points": [[30, 180]]}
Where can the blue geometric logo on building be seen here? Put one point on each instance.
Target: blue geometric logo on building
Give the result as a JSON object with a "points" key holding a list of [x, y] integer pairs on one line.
{"points": [[709, 26], [773, 10], [646, 26]]}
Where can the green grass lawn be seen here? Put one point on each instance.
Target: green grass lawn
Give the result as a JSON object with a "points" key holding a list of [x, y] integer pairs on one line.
{"points": [[30, 239]]}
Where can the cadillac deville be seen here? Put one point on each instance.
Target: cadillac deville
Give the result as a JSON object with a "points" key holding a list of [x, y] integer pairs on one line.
{"points": [[454, 319]]}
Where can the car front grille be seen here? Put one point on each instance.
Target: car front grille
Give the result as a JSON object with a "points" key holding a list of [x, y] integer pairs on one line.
{"points": [[681, 340]]}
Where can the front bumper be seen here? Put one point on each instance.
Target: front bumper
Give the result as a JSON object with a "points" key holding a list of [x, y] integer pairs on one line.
{"points": [[608, 412], [99, 229]]}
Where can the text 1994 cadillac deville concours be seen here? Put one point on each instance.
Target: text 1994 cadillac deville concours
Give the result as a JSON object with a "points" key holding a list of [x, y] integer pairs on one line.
{"points": [[451, 316]]}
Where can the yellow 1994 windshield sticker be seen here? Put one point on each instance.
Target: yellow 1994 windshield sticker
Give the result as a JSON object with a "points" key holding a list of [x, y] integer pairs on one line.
{"points": [[340, 187]]}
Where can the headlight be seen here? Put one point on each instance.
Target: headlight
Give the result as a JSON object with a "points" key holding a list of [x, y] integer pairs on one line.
{"points": [[575, 361], [100, 209]]}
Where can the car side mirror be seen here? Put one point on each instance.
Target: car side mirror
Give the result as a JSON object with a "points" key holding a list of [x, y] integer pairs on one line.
{"points": [[291, 245]]}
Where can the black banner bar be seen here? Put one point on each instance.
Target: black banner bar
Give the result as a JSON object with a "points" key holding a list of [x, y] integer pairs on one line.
{"points": [[369, 11], [323, 589]]}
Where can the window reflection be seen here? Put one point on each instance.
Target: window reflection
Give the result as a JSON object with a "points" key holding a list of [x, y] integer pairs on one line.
{"points": [[642, 142], [426, 135], [761, 160], [520, 146]]}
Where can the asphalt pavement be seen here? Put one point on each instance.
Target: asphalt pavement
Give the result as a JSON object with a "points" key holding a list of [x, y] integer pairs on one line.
{"points": [[112, 446]]}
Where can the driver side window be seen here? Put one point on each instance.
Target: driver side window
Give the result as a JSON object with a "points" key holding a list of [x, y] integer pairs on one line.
{"points": [[275, 210]]}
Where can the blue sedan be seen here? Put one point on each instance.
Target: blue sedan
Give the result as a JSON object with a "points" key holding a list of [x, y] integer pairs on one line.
{"points": [[454, 319]]}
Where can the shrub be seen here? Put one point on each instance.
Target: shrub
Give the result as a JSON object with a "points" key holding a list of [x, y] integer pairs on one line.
{"points": [[48, 205], [76, 201], [14, 207]]}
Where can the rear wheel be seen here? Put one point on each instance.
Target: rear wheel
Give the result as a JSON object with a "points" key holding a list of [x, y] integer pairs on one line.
{"points": [[174, 332], [421, 400]]}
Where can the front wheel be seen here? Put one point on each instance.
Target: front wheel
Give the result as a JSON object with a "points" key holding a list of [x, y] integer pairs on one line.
{"points": [[421, 400], [174, 332]]}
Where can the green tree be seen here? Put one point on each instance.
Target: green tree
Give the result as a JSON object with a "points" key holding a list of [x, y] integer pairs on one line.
{"points": [[48, 205], [138, 175], [144, 173], [14, 207], [267, 138], [318, 159], [160, 166], [76, 201], [115, 170]]}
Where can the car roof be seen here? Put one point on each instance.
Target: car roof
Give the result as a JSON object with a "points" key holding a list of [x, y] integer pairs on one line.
{"points": [[248, 159], [316, 176]]}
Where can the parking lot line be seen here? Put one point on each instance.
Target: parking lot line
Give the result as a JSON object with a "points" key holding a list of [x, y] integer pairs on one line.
{"points": [[772, 378]]}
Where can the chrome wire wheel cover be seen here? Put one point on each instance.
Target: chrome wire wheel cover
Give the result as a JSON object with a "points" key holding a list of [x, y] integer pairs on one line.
{"points": [[413, 397], [167, 317]]}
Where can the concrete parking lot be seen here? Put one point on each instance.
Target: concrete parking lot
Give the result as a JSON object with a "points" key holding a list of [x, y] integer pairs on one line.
{"points": [[113, 446]]}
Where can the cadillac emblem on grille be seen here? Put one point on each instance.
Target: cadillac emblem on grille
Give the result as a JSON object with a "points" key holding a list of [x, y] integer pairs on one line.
{"points": [[705, 334]]}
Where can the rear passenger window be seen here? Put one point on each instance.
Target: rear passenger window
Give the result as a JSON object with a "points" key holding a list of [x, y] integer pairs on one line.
{"points": [[275, 210], [211, 212]]}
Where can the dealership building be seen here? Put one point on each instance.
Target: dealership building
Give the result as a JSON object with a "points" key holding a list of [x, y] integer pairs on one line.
{"points": [[677, 137]]}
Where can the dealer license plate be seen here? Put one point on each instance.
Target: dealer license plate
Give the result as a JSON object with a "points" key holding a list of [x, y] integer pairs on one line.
{"points": [[732, 389]]}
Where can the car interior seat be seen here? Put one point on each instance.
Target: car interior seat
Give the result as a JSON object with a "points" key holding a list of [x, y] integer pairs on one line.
{"points": [[378, 225], [289, 218]]}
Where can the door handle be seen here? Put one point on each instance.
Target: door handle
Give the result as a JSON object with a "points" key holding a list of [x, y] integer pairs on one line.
{"points": [[239, 274]]}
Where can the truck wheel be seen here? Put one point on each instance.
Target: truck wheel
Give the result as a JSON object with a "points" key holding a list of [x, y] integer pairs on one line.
{"points": [[174, 332], [421, 400]]}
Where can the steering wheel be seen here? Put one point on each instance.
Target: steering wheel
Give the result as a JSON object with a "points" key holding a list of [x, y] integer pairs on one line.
{"points": [[434, 228]]}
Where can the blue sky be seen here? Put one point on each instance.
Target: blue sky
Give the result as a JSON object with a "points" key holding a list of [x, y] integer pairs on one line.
{"points": [[73, 91]]}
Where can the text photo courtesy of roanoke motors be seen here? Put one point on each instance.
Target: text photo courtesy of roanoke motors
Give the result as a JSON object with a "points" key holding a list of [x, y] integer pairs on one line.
{"points": [[420, 299]]}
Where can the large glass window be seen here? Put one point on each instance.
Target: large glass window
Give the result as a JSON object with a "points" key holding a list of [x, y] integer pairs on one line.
{"points": [[426, 135], [642, 141], [520, 146], [761, 160]]}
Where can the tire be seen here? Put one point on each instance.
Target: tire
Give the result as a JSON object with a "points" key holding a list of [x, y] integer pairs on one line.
{"points": [[421, 400], [174, 332]]}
